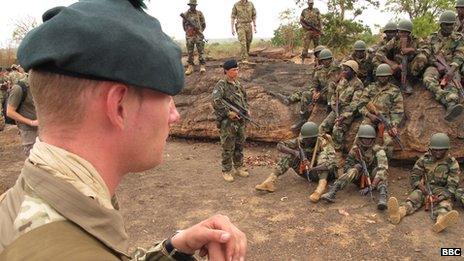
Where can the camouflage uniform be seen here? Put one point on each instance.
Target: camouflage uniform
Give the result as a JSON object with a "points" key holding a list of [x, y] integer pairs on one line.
{"points": [[232, 132], [388, 100], [443, 177], [366, 68], [324, 80], [376, 162], [3, 97], [312, 17], [349, 94], [459, 195], [453, 51], [459, 26], [325, 155], [245, 14], [192, 37], [392, 51]]}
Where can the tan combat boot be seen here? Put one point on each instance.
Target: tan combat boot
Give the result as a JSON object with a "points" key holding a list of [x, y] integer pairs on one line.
{"points": [[227, 175], [189, 70], [242, 172], [395, 211], [269, 184], [202, 68], [321, 187], [446, 220]]}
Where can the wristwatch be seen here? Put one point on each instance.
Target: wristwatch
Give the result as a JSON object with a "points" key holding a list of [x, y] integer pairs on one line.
{"points": [[174, 253]]}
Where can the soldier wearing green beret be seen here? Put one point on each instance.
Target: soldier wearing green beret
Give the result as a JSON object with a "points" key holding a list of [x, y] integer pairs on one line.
{"points": [[434, 180], [229, 92], [243, 15], [194, 24], [310, 20], [103, 114], [311, 156]]}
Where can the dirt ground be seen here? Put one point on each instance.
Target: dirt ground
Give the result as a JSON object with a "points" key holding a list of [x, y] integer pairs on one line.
{"points": [[283, 225]]}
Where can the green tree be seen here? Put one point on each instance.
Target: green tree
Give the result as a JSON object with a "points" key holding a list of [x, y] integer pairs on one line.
{"points": [[289, 32]]}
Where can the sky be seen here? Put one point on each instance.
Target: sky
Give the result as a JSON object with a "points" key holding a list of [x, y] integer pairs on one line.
{"points": [[217, 15]]}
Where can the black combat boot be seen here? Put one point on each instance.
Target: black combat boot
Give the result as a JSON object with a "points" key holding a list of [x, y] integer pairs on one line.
{"points": [[453, 111], [382, 205], [330, 195]]}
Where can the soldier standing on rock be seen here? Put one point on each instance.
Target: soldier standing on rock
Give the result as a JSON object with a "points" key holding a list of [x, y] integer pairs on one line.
{"points": [[311, 156], [194, 36], [231, 124], [445, 51], [434, 179], [243, 14], [364, 152], [310, 19]]}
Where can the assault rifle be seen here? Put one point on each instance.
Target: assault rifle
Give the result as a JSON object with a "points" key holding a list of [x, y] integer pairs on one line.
{"points": [[365, 178], [242, 112], [384, 123], [304, 162], [455, 78], [430, 198], [310, 26], [192, 24], [404, 66], [314, 101]]}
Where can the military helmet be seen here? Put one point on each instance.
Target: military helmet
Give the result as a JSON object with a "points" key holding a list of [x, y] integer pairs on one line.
{"points": [[360, 46], [390, 26], [405, 25], [192, 2], [383, 70], [447, 17], [319, 48], [353, 65], [366, 131], [460, 3], [309, 130], [439, 141], [325, 54]]}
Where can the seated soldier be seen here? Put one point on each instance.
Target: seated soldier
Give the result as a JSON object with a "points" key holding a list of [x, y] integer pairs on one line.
{"points": [[364, 152], [302, 154], [320, 87], [434, 180], [390, 31], [365, 61], [344, 103]]}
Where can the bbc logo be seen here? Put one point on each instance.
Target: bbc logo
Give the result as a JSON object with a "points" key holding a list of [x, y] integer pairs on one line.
{"points": [[450, 252]]}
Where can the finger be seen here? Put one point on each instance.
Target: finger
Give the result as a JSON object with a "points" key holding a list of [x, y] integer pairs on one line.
{"points": [[203, 251], [216, 252], [242, 244]]}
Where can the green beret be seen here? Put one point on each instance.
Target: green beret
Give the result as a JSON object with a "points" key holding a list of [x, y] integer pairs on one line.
{"points": [[105, 39]]}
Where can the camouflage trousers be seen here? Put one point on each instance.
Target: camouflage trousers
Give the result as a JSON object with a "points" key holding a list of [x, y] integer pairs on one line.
{"points": [[447, 96], [232, 134], [338, 130], [416, 200], [352, 175], [387, 140], [200, 44], [308, 38], [245, 37], [295, 97], [288, 161], [459, 195]]}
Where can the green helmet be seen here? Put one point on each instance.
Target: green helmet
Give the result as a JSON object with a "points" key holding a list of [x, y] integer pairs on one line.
{"points": [[439, 141], [325, 54], [366, 131], [360, 46], [383, 70], [319, 48], [460, 3], [309, 130], [192, 2], [447, 17], [405, 25], [390, 26]]}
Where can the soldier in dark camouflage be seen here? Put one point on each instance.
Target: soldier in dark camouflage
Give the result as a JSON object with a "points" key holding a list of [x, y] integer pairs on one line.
{"points": [[194, 36], [310, 19], [231, 125]]}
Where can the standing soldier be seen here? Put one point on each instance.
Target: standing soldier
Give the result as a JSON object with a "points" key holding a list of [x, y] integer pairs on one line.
{"points": [[344, 104], [230, 123], [364, 154], [310, 155], [320, 89], [364, 59], [400, 52], [445, 50], [434, 180], [459, 26], [194, 24], [243, 14], [310, 19], [383, 100]]}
